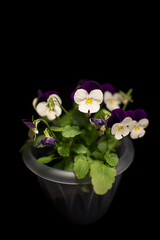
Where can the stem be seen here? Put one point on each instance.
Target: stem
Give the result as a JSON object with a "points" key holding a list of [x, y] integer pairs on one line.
{"points": [[128, 98], [63, 108], [125, 105], [50, 130]]}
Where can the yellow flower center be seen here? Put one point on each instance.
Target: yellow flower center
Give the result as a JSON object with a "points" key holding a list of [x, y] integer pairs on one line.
{"points": [[88, 100], [111, 101], [120, 127], [136, 128]]}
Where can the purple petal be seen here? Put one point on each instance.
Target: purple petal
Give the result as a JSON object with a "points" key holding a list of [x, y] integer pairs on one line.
{"points": [[117, 116], [90, 85], [139, 114], [107, 87], [96, 122], [99, 122], [47, 141], [72, 94], [130, 113], [29, 124], [42, 97]]}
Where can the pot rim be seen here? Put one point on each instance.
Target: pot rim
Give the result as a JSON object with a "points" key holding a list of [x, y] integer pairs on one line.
{"points": [[68, 177]]}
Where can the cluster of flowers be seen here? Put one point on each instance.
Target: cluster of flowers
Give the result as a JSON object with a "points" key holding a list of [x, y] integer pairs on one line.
{"points": [[89, 96]]}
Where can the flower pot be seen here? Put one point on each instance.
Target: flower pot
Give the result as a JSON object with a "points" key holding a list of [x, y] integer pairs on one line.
{"points": [[75, 199]]}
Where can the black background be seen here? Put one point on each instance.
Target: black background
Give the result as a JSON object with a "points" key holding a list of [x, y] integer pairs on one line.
{"points": [[59, 65]]}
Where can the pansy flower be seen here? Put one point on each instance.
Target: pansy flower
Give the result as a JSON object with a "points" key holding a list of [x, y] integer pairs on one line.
{"points": [[48, 104], [123, 122], [137, 128], [120, 122], [120, 130], [88, 97], [112, 101], [32, 128], [117, 115], [100, 124], [139, 123], [47, 141]]}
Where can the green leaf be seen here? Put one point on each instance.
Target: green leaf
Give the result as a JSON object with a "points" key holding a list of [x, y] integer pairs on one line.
{"points": [[69, 163], [81, 166], [111, 159], [63, 150], [57, 129], [102, 147], [102, 177], [64, 120], [45, 159], [79, 148], [97, 154], [80, 156], [70, 131]]}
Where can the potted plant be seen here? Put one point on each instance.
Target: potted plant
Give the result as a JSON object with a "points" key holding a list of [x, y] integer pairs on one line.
{"points": [[79, 155]]}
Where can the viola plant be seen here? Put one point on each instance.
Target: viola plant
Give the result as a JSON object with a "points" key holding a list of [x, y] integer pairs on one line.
{"points": [[85, 138]]}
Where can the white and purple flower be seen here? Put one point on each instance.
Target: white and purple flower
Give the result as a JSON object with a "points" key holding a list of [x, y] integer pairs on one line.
{"points": [[88, 97], [124, 122], [33, 131], [120, 130], [137, 128], [48, 104], [99, 124]]}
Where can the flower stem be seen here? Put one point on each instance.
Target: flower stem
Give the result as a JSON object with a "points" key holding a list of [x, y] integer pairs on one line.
{"points": [[50, 130], [63, 108]]}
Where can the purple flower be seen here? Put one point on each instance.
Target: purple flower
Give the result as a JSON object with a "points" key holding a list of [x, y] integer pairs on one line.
{"points": [[47, 141], [89, 85], [99, 122], [100, 125]]}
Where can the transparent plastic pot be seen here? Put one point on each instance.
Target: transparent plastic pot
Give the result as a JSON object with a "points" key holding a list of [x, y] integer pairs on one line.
{"points": [[75, 199]]}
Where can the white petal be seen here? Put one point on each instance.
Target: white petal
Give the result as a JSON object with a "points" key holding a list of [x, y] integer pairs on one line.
{"points": [[127, 121], [143, 122], [83, 107], [107, 96], [111, 106], [42, 108], [94, 106], [115, 128], [142, 132], [134, 134], [34, 102], [125, 131], [96, 95], [80, 95], [117, 97], [118, 135], [132, 125], [51, 115], [58, 110]]}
